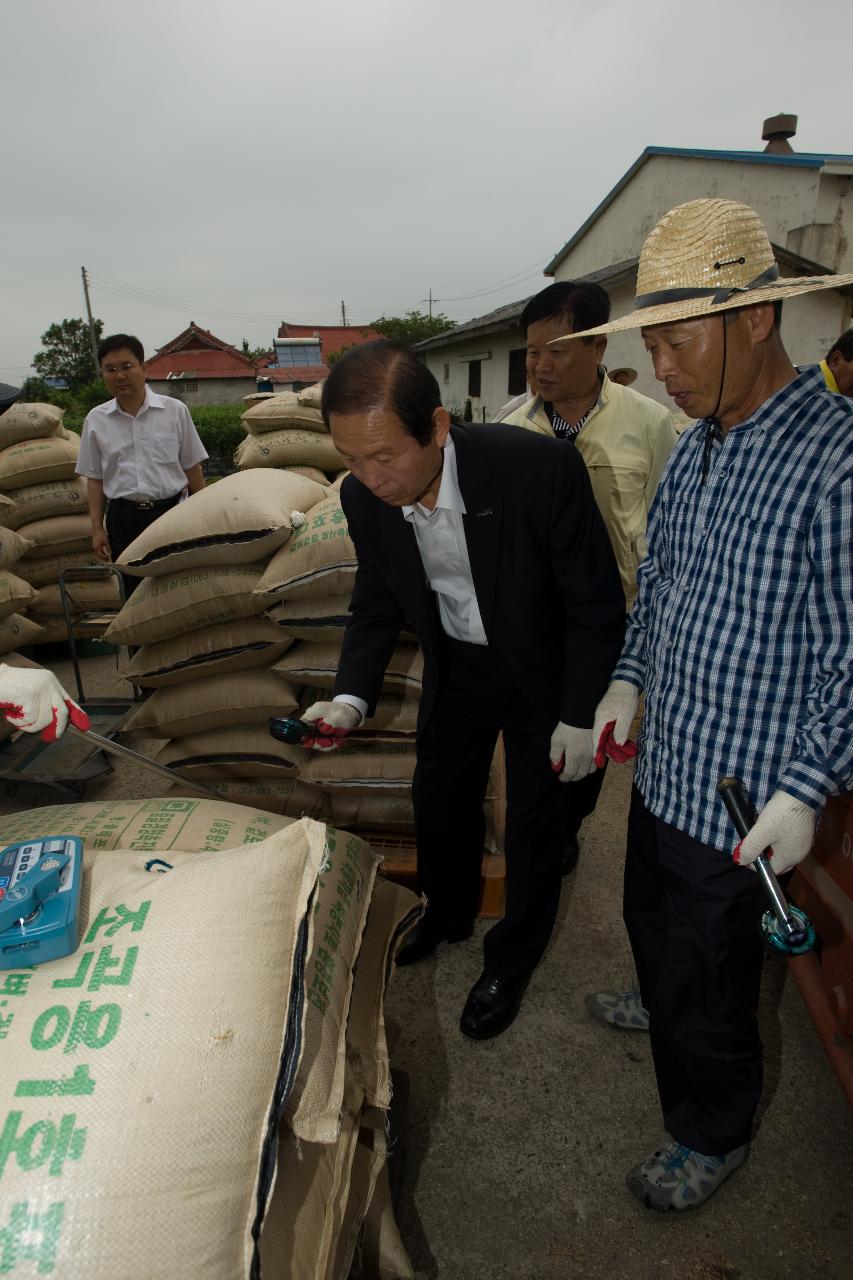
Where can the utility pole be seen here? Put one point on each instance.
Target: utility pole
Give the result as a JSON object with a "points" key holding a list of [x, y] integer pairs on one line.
{"points": [[92, 333], [430, 303], [344, 314]]}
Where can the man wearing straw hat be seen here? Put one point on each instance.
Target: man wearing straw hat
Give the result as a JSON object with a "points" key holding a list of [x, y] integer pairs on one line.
{"points": [[741, 639]]}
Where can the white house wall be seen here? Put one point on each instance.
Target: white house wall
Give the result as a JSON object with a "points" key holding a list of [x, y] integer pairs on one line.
{"points": [[785, 197], [494, 372]]}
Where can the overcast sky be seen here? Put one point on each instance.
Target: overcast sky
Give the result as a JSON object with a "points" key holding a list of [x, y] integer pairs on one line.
{"points": [[239, 164]]}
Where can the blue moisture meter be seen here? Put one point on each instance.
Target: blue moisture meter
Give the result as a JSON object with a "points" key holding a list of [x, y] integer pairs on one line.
{"points": [[39, 900]]}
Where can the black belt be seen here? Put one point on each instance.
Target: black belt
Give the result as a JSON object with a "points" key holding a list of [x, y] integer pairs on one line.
{"points": [[145, 504]]}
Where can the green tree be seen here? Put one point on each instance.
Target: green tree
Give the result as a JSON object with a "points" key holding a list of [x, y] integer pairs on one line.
{"points": [[414, 326], [254, 353], [68, 353]]}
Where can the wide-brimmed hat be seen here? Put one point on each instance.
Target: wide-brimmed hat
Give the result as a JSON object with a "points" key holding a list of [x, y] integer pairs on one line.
{"points": [[704, 257], [8, 395], [629, 375]]}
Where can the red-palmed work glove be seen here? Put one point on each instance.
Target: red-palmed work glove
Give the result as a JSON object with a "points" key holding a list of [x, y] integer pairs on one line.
{"points": [[334, 720], [32, 699], [571, 752], [614, 716], [784, 825]]}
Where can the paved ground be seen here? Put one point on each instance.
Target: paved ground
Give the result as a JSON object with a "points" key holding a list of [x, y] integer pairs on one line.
{"points": [[518, 1146]]}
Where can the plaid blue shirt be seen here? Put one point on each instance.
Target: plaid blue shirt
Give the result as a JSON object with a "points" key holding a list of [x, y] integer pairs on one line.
{"points": [[742, 633]]}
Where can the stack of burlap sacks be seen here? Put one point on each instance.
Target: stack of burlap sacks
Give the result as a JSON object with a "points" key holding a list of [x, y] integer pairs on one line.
{"points": [[224, 1113], [47, 508], [240, 618]]}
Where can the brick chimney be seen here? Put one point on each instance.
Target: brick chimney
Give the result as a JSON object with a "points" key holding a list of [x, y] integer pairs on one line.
{"points": [[777, 131]]}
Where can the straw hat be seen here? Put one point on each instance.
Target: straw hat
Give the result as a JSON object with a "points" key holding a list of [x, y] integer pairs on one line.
{"points": [[704, 257], [624, 374]]}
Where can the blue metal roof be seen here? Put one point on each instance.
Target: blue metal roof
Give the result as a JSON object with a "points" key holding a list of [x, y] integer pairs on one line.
{"points": [[797, 160]]}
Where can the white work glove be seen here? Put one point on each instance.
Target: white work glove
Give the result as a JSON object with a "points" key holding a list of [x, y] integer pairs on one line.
{"points": [[614, 716], [33, 699], [784, 824], [334, 720], [571, 752]]}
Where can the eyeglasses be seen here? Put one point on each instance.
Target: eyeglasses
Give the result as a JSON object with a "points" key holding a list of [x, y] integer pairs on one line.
{"points": [[123, 368]]}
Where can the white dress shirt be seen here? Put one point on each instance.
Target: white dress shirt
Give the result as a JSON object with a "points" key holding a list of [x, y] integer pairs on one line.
{"points": [[440, 535], [140, 456]]}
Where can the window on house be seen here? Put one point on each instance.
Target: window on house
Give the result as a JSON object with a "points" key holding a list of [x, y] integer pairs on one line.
{"points": [[189, 386], [516, 383], [474, 379], [447, 373]]}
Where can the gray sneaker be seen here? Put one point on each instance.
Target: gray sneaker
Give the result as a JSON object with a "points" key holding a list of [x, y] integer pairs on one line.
{"points": [[621, 1009], [675, 1177]]}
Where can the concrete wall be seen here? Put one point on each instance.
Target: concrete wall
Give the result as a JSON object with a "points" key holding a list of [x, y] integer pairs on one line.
{"points": [[450, 365], [210, 390]]}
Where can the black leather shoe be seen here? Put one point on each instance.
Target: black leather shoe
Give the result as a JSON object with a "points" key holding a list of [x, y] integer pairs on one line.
{"points": [[491, 1006], [571, 853], [425, 937]]}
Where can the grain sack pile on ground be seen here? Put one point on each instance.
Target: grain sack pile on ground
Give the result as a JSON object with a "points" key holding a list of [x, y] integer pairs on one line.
{"points": [[287, 430], [48, 509], [226, 946]]}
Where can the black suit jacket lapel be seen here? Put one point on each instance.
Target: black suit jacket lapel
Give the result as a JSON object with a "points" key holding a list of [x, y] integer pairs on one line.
{"points": [[482, 520]]}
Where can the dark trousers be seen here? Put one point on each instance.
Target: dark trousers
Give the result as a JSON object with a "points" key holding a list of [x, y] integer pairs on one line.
{"points": [[474, 703], [693, 918], [580, 801], [124, 524]]}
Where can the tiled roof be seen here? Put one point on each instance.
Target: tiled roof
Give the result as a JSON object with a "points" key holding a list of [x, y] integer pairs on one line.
{"points": [[333, 338], [198, 353], [310, 373]]}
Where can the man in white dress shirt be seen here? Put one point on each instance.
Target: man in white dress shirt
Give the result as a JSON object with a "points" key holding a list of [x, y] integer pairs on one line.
{"points": [[139, 452]]}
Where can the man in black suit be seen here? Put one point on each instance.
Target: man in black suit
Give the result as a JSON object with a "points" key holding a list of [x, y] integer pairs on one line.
{"points": [[487, 542]]}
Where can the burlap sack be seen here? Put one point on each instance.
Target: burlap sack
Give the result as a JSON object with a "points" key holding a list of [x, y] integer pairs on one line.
{"points": [[39, 461], [240, 519], [272, 796], [288, 449], [12, 547], [48, 568], [57, 535], [313, 473], [164, 823], [305, 1215], [17, 632], [353, 812], [311, 396], [370, 1155], [393, 912], [149, 1153], [207, 651], [315, 1104], [83, 597], [338, 480], [382, 770], [15, 594], [317, 664], [320, 618], [246, 697], [382, 1253], [177, 602], [233, 751], [29, 420], [40, 501], [319, 560], [282, 412]]}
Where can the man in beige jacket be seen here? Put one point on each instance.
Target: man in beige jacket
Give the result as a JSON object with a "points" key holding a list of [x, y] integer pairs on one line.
{"points": [[623, 437]]}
